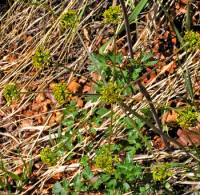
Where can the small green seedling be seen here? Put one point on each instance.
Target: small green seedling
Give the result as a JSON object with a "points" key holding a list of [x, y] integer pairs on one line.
{"points": [[69, 19], [112, 15], [41, 58], [60, 93], [10, 93]]}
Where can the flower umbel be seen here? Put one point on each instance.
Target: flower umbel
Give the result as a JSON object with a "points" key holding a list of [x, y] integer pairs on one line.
{"points": [[191, 40], [60, 93], [112, 15], [161, 171], [105, 161], [187, 117], [48, 156], [110, 93], [41, 58], [68, 19], [10, 92]]}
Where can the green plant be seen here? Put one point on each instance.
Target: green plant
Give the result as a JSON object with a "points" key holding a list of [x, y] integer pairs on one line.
{"points": [[187, 117], [122, 179], [61, 188], [49, 156], [10, 92], [8, 178], [161, 171], [145, 190], [112, 15], [41, 58], [108, 66], [140, 64], [69, 19], [191, 40], [60, 93]]}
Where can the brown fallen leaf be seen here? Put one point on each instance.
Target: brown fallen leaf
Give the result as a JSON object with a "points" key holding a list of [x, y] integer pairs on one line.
{"points": [[188, 137], [95, 76], [158, 143], [58, 176], [87, 88], [40, 98], [169, 117], [26, 123], [79, 101], [73, 86], [18, 171]]}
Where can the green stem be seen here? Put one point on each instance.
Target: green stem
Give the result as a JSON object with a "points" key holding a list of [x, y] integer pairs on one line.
{"points": [[188, 16]]}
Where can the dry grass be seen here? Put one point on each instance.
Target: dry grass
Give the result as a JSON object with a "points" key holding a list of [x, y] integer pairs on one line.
{"points": [[23, 29]]}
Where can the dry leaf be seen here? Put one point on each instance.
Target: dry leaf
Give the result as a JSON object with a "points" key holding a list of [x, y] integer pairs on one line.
{"points": [[79, 101], [138, 97], [28, 113], [26, 123], [82, 80], [95, 76], [169, 117], [146, 78], [158, 142], [86, 34], [11, 58], [40, 98], [58, 176], [35, 106], [189, 137], [87, 88], [18, 171], [58, 116], [98, 40], [73, 86]]}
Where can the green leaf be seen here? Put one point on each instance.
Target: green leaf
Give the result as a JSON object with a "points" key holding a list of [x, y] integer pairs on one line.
{"points": [[103, 48], [126, 186], [105, 177], [137, 10], [136, 73], [98, 63], [116, 58], [112, 184], [151, 63], [13, 176], [78, 185], [59, 189], [188, 84], [146, 57], [87, 173], [128, 122], [84, 161], [102, 111], [97, 184]]}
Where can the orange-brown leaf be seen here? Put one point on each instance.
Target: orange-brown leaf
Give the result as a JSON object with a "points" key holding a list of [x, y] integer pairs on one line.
{"points": [[73, 86], [169, 117]]}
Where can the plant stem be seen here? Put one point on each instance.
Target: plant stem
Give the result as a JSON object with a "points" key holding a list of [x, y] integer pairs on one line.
{"points": [[188, 16], [153, 109], [141, 87], [127, 27], [155, 129]]}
